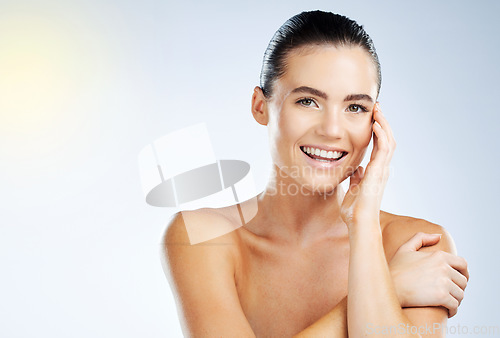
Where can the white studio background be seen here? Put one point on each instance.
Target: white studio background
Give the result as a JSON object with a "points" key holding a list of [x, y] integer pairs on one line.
{"points": [[85, 85]]}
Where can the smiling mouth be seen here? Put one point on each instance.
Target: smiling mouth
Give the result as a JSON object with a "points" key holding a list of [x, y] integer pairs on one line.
{"points": [[323, 155]]}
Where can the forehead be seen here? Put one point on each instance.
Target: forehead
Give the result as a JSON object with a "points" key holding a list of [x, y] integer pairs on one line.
{"points": [[338, 71]]}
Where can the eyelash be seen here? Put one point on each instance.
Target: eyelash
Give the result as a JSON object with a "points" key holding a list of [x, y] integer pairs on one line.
{"points": [[363, 108], [301, 102]]}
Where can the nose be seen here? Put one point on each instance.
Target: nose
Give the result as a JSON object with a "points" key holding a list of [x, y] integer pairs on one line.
{"points": [[332, 125]]}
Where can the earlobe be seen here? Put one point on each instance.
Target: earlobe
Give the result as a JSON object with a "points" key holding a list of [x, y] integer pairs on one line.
{"points": [[259, 106]]}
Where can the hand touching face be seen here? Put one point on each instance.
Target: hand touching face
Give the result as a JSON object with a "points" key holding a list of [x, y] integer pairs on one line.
{"points": [[319, 115], [363, 199]]}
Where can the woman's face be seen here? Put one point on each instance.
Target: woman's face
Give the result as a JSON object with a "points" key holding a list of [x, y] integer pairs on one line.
{"points": [[319, 110]]}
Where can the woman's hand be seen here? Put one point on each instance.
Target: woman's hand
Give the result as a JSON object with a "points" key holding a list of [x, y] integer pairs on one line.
{"points": [[362, 200], [433, 278]]}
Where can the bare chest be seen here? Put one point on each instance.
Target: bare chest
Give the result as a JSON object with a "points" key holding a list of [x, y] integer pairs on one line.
{"points": [[284, 291]]}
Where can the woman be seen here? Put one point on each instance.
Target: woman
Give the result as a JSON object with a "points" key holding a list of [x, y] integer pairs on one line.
{"points": [[316, 261]]}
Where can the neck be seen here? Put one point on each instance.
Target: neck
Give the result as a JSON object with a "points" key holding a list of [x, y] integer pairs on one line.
{"points": [[288, 212]]}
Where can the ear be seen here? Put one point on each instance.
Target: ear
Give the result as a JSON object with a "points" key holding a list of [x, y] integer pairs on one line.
{"points": [[259, 106]]}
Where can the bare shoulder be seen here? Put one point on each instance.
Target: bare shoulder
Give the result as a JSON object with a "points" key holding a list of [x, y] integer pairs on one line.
{"points": [[203, 226], [181, 238], [201, 275], [398, 229]]}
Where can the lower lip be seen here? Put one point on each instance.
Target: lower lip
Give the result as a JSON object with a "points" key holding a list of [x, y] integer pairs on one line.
{"points": [[321, 164]]}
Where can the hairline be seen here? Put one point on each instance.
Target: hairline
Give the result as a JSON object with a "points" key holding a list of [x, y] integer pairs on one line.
{"points": [[309, 48]]}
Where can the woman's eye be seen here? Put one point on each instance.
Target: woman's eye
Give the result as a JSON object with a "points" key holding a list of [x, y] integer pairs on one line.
{"points": [[307, 102], [356, 108]]}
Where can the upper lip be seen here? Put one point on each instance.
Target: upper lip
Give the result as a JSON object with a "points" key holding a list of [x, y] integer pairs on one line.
{"points": [[323, 147]]}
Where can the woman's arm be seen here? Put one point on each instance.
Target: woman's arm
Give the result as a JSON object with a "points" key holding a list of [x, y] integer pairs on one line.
{"points": [[430, 297], [373, 305], [202, 279], [372, 302], [426, 279], [333, 324], [437, 267]]}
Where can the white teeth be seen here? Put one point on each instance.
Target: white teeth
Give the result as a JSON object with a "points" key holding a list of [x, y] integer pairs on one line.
{"points": [[323, 153]]}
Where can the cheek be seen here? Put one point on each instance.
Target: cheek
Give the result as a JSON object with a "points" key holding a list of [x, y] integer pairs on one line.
{"points": [[280, 131], [361, 128], [367, 136], [286, 127], [361, 137]]}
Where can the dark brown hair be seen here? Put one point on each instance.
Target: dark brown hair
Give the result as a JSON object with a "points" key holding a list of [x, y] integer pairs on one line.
{"points": [[312, 28]]}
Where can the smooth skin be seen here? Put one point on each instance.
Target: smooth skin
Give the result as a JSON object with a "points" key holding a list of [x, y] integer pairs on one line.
{"points": [[289, 270]]}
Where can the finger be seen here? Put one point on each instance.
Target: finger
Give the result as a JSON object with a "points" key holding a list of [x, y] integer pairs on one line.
{"points": [[380, 148], [452, 312], [391, 143], [356, 177], [458, 278], [456, 292], [380, 117], [452, 305], [455, 298], [381, 154], [458, 263], [375, 145], [419, 240], [383, 148]]}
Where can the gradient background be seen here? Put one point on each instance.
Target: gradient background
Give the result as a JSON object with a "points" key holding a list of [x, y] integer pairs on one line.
{"points": [[85, 85]]}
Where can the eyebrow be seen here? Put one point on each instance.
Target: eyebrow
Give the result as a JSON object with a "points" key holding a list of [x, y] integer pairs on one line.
{"points": [[309, 90], [358, 97], [323, 95]]}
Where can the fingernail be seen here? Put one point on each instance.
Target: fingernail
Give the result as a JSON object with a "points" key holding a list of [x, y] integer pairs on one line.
{"points": [[437, 235]]}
